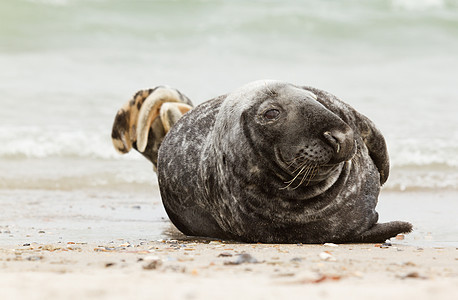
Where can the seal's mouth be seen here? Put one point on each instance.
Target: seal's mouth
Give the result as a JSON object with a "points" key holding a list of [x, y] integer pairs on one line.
{"points": [[304, 171]]}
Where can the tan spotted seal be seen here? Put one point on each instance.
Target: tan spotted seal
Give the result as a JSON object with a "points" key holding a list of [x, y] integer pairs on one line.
{"points": [[144, 120], [274, 162]]}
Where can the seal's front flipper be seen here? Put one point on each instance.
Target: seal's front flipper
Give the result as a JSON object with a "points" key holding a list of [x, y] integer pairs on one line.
{"points": [[376, 145], [380, 232], [144, 120]]}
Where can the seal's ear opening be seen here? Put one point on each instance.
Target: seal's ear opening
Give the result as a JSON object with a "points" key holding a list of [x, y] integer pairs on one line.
{"points": [[154, 110]]}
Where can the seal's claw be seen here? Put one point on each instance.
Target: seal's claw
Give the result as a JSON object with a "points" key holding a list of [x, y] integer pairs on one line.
{"points": [[380, 232]]}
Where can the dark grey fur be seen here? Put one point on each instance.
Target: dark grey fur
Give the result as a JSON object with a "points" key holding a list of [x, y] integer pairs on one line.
{"points": [[226, 171]]}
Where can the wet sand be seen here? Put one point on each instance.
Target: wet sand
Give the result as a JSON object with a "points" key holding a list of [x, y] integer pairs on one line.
{"points": [[135, 213], [102, 244]]}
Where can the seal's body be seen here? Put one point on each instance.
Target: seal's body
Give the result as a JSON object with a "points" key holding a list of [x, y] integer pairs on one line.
{"points": [[275, 163]]}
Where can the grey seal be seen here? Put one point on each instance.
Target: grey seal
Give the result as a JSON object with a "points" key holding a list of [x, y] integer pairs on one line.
{"points": [[273, 162]]}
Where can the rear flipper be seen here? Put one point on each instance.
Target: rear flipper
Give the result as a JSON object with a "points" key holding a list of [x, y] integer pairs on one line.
{"points": [[143, 121], [380, 232]]}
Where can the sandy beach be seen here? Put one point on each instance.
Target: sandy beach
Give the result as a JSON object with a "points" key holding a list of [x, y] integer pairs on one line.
{"points": [[189, 269], [131, 250]]}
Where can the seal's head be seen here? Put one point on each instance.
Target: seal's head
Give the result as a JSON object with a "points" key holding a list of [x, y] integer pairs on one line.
{"points": [[303, 140]]}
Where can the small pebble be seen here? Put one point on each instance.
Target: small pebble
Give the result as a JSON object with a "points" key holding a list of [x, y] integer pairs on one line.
{"points": [[413, 275], [400, 237], [49, 248], [386, 245], [243, 258], [225, 254], [285, 275], [34, 258], [73, 248], [330, 245], [215, 243], [357, 274], [152, 265], [327, 256]]}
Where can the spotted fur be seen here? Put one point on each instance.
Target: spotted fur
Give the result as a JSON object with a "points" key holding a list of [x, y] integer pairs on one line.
{"points": [[313, 175], [146, 118]]}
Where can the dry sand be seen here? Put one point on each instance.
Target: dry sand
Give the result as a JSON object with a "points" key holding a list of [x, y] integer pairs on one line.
{"points": [[196, 269]]}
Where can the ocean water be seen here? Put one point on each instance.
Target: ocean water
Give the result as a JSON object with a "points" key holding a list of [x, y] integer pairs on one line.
{"points": [[67, 66]]}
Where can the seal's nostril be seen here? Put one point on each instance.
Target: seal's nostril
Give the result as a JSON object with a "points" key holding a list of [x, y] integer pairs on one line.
{"points": [[342, 141], [333, 139]]}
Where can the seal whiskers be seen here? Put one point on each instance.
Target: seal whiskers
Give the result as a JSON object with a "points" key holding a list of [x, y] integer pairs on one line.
{"points": [[316, 170], [295, 177], [306, 168], [290, 164], [301, 166], [310, 174]]}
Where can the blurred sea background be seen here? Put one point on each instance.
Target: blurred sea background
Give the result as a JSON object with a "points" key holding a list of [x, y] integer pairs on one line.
{"points": [[67, 66]]}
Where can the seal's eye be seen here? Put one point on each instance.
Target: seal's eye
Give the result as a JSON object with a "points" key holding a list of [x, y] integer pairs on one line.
{"points": [[271, 114]]}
